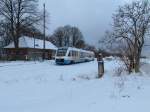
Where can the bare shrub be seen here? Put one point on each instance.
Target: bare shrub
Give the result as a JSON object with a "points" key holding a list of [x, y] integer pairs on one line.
{"points": [[119, 71]]}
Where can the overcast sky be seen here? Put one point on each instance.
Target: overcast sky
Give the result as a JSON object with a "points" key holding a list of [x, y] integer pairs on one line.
{"points": [[92, 17]]}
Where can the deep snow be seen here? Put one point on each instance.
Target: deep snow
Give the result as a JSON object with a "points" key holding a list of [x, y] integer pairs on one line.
{"points": [[46, 87]]}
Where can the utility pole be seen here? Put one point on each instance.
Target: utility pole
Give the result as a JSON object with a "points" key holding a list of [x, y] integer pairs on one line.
{"points": [[44, 27], [1, 49], [34, 45]]}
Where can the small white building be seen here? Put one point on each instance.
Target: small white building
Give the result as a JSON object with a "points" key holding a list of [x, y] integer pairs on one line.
{"points": [[30, 49]]}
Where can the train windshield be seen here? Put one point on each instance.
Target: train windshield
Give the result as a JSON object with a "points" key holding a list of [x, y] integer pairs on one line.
{"points": [[62, 52]]}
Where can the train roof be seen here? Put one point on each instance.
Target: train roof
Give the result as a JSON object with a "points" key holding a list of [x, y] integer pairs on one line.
{"points": [[76, 49]]}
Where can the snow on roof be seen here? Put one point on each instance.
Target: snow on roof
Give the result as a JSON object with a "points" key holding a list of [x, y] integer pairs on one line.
{"points": [[28, 42]]}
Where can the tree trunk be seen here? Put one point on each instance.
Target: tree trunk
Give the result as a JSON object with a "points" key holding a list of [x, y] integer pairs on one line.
{"points": [[131, 66], [137, 66], [137, 61], [16, 43]]}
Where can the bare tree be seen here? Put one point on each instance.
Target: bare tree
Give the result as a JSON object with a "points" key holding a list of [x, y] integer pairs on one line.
{"points": [[130, 26], [68, 36], [58, 37], [19, 13], [5, 33], [76, 36]]}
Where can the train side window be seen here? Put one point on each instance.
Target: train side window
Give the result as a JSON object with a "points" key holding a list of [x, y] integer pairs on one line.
{"points": [[74, 54], [82, 55], [78, 54], [70, 53]]}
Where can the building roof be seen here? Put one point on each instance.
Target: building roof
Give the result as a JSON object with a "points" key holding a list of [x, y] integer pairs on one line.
{"points": [[28, 42]]}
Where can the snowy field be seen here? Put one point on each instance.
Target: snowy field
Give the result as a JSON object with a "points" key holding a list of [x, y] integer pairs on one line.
{"points": [[46, 87]]}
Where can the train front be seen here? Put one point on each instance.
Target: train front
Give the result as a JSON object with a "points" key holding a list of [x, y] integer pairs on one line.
{"points": [[61, 56]]}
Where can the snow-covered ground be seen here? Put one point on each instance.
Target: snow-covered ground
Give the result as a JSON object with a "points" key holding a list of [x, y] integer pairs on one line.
{"points": [[46, 87]]}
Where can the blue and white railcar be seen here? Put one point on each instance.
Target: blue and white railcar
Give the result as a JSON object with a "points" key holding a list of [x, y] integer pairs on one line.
{"points": [[70, 55]]}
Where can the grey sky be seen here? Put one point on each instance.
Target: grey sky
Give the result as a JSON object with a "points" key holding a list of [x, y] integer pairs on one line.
{"points": [[93, 17]]}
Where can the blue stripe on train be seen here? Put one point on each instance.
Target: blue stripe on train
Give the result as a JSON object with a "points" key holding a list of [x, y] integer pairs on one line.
{"points": [[66, 62]]}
